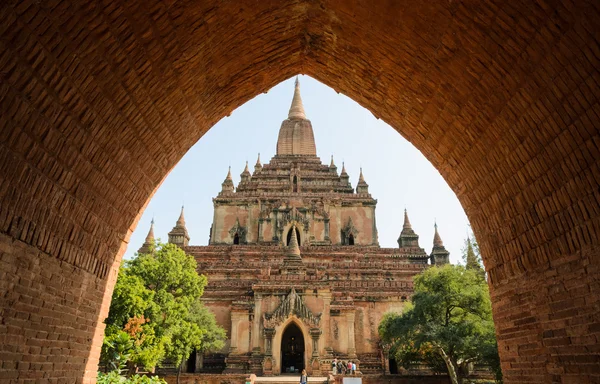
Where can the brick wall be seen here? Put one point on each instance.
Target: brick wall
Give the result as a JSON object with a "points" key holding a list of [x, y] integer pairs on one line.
{"points": [[99, 100], [50, 314]]}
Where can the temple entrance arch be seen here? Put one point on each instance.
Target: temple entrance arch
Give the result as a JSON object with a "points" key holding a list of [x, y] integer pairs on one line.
{"points": [[292, 349]]}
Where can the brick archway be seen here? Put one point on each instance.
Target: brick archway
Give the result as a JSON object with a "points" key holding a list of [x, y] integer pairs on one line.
{"points": [[99, 100]]}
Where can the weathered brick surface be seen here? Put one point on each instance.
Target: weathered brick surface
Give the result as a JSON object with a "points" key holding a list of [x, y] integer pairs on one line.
{"points": [[99, 100]]}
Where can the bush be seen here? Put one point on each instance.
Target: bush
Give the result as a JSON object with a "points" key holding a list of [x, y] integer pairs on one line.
{"points": [[114, 378]]}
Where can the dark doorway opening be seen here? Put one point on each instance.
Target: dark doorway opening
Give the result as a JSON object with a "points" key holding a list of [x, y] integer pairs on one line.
{"points": [[351, 239], [236, 239], [393, 367], [289, 236], [295, 182], [292, 350]]}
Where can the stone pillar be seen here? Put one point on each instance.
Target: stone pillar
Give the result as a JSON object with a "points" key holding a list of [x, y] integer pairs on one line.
{"points": [[258, 299], [326, 321], [326, 229], [269, 333], [260, 232], [315, 364], [234, 333], [351, 340], [268, 360]]}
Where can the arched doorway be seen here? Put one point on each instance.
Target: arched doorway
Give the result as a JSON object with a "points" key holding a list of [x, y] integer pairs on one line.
{"points": [[289, 237], [292, 350]]}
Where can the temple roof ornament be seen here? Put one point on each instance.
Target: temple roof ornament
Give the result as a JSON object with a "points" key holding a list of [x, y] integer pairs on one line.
{"points": [[439, 254], [362, 186], [181, 219], [437, 240], [408, 238], [150, 236], [147, 247], [296, 135], [179, 234], [332, 164], [297, 109], [227, 185], [292, 304]]}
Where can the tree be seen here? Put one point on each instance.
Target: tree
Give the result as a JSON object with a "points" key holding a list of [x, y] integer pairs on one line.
{"points": [[450, 321], [472, 257], [156, 306]]}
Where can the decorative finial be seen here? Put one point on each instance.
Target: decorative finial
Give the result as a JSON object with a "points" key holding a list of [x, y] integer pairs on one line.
{"points": [[406, 221], [181, 220], [228, 174], [332, 164], [258, 159], [437, 240], [297, 109], [150, 236], [361, 178]]}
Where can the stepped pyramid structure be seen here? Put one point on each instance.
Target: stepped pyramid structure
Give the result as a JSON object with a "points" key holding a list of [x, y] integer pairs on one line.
{"points": [[296, 274]]}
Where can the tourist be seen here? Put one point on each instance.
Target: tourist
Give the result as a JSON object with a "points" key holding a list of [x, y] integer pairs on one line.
{"points": [[303, 377], [349, 367], [334, 366], [353, 368], [340, 367]]}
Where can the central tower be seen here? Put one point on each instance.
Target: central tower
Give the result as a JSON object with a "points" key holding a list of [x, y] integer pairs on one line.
{"points": [[294, 189]]}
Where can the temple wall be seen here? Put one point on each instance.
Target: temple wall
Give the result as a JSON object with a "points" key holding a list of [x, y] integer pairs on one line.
{"points": [[225, 219], [362, 219]]}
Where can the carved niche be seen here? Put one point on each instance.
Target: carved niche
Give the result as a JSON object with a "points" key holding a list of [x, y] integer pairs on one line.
{"points": [[240, 230], [292, 304], [348, 230]]}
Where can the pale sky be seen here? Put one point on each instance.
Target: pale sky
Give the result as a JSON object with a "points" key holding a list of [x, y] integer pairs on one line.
{"points": [[399, 176]]}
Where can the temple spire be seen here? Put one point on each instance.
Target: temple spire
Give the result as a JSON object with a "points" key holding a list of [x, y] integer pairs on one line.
{"points": [[245, 175], [179, 234], [258, 165], [297, 109], [181, 220], [150, 236], [293, 248], [437, 240], [227, 185], [148, 246], [332, 164], [292, 262], [362, 187], [439, 254], [407, 224]]}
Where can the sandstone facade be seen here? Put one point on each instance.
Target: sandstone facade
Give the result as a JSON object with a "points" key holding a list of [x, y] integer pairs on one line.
{"points": [[296, 274]]}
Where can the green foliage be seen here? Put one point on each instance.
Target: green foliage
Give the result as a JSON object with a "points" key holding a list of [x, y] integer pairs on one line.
{"points": [[116, 350], [114, 378], [156, 304], [450, 321]]}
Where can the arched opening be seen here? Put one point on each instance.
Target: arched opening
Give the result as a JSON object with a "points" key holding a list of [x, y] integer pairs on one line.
{"points": [[510, 145], [351, 239], [289, 236], [295, 184], [236, 239], [292, 350]]}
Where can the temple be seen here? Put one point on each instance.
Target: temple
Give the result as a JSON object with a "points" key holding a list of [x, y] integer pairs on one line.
{"points": [[296, 274]]}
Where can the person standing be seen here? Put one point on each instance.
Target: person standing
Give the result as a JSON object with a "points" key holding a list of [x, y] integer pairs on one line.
{"points": [[334, 366], [303, 377], [353, 368]]}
